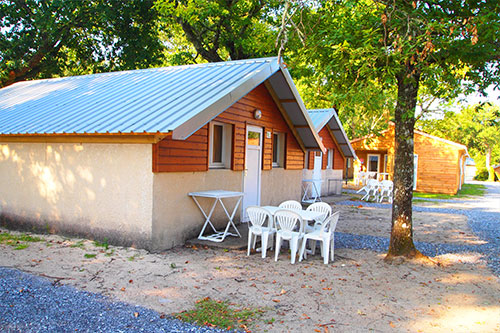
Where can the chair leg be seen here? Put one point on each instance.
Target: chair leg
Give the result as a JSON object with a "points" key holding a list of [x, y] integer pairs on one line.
{"points": [[325, 246], [263, 240], [332, 249], [278, 246], [293, 247], [249, 241], [302, 251], [313, 246]]}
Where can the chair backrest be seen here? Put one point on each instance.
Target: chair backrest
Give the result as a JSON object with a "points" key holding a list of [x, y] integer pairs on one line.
{"points": [[373, 183], [329, 225], [287, 221], [290, 204], [387, 184], [321, 207], [258, 216]]}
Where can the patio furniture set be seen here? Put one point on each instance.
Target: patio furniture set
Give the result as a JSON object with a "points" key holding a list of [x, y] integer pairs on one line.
{"points": [[288, 222], [378, 190]]}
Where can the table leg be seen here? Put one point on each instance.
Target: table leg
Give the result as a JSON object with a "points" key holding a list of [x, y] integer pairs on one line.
{"points": [[207, 218]]}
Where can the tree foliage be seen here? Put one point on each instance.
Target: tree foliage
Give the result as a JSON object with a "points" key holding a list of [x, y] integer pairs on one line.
{"points": [[44, 38], [363, 51], [221, 30]]}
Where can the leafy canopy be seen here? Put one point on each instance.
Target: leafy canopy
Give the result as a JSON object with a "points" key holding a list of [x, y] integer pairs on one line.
{"points": [[45, 38]]}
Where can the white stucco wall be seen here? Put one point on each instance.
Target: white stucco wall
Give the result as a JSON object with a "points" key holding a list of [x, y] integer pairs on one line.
{"points": [[279, 185], [335, 185], [100, 190], [176, 217]]}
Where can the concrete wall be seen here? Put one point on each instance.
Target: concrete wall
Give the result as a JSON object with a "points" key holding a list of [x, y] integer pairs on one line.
{"points": [[176, 218], [279, 185], [335, 185], [93, 190]]}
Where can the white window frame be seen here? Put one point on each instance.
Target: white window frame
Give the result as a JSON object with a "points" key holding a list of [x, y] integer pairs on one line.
{"points": [[280, 151], [226, 146], [329, 159], [368, 163]]}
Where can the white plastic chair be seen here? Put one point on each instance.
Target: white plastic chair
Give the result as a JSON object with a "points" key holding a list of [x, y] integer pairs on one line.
{"points": [[320, 207], [386, 190], [290, 204], [324, 234], [290, 227], [372, 186], [256, 227]]}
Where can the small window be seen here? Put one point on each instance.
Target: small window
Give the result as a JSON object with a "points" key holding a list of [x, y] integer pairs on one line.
{"points": [[278, 150], [329, 161], [220, 145]]}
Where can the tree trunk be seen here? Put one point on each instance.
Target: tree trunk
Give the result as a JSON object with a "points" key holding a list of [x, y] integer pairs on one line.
{"points": [[401, 243], [491, 172]]}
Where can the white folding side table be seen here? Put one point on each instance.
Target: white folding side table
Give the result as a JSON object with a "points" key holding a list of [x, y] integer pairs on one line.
{"points": [[217, 195], [308, 185]]}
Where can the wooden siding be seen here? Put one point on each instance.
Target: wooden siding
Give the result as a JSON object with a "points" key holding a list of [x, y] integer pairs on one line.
{"points": [[192, 154], [187, 155], [329, 142], [438, 161]]}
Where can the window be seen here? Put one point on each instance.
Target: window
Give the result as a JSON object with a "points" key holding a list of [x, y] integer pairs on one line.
{"points": [[373, 163], [220, 145], [278, 150], [329, 161]]}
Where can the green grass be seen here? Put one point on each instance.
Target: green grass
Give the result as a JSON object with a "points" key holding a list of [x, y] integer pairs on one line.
{"points": [[89, 255], [80, 244], [220, 314], [468, 190], [19, 242], [103, 244]]}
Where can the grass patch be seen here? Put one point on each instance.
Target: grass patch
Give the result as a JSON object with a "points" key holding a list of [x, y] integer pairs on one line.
{"points": [[103, 244], [19, 242], [220, 314], [468, 190], [89, 255], [80, 244]]}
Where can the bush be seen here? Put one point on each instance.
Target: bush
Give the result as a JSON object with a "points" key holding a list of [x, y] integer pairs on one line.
{"points": [[482, 175]]}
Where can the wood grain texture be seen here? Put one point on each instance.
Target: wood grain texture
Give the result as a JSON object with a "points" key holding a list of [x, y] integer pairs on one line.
{"points": [[192, 154]]}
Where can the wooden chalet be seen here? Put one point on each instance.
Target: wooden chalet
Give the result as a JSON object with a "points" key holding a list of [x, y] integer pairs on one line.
{"points": [[329, 167], [439, 164]]}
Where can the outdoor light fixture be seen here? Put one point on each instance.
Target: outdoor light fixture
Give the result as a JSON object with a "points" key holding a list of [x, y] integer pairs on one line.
{"points": [[257, 114]]}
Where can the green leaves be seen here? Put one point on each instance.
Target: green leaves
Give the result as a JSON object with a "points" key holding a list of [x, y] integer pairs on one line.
{"points": [[49, 38]]}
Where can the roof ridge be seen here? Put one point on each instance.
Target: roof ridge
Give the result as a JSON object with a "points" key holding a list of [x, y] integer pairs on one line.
{"points": [[152, 69]]}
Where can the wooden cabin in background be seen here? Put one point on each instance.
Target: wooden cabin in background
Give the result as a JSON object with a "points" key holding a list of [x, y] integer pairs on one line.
{"points": [[330, 167], [439, 164]]}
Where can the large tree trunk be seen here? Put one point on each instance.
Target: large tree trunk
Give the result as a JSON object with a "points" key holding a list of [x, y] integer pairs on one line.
{"points": [[491, 172], [401, 243]]}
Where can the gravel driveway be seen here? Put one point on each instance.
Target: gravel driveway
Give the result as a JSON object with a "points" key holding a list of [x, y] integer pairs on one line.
{"points": [[31, 303], [483, 218]]}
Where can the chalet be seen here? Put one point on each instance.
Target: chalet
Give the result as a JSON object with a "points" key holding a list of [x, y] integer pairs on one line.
{"points": [[439, 164], [331, 166], [114, 155], [496, 168]]}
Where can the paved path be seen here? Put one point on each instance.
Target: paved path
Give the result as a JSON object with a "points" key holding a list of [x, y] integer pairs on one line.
{"points": [[483, 218]]}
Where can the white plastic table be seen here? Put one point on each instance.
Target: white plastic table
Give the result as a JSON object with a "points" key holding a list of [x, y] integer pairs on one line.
{"points": [[307, 215], [217, 195], [308, 185]]}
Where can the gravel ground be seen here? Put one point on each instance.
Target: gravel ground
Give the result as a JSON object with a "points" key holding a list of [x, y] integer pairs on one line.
{"points": [[35, 304], [483, 218], [30, 303]]}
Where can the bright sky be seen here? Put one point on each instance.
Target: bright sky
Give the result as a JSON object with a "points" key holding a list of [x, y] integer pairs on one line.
{"points": [[493, 97]]}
